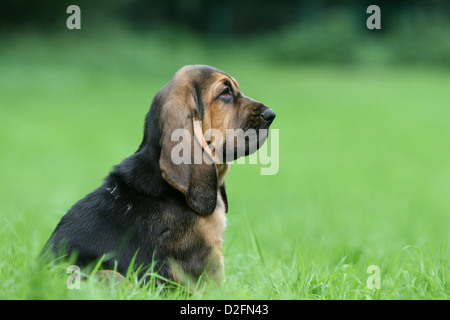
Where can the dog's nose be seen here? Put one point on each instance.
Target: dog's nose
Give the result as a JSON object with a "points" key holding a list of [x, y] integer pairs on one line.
{"points": [[268, 115]]}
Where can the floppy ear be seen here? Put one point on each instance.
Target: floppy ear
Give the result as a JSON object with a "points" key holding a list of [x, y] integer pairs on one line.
{"points": [[183, 155]]}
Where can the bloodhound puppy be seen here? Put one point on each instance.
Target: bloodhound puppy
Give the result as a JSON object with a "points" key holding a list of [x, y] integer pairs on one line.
{"points": [[167, 213]]}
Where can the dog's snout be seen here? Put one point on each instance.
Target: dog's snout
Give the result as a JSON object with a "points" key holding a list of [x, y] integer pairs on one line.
{"points": [[268, 115]]}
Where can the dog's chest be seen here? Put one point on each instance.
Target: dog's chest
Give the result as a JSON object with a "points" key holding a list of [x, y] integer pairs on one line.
{"points": [[212, 227]]}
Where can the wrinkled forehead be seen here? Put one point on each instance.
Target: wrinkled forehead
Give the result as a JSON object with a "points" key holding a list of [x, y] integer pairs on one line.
{"points": [[228, 80], [204, 77]]}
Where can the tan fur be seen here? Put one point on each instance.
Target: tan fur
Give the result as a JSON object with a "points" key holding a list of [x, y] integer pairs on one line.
{"points": [[222, 170], [218, 115], [213, 228], [111, 277]]}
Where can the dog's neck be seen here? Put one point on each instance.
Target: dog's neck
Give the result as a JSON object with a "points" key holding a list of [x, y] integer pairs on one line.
{"points": [[222, 170]]}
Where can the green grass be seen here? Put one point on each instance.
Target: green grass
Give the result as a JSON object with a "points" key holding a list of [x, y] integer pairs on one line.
{"points": [[364, 174]]}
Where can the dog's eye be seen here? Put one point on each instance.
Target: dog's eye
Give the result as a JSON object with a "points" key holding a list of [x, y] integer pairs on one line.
{"points": [[226, 92]]}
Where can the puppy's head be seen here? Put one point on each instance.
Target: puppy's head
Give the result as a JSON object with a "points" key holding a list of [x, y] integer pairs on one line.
{"points": [[205, 121], [233, 125]]}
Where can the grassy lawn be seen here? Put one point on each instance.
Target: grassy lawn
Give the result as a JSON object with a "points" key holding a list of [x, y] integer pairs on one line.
{"points": [[364, 168]]}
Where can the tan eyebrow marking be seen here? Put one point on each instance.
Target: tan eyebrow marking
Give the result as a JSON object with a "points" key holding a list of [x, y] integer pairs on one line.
{"points": [[229, 81], [235, 83]]}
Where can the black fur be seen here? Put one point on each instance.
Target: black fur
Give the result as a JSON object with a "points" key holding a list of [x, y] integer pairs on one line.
{"points": [[147, 207], [135, 211]]}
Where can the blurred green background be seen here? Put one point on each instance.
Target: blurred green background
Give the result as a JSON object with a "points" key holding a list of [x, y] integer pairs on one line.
{"points": [[363, 118]]}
